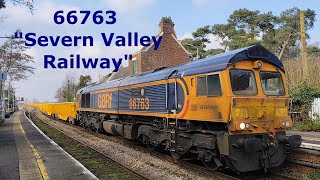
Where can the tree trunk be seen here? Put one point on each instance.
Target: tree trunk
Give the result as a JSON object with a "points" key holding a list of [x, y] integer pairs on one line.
{"points": [[284, 46]]}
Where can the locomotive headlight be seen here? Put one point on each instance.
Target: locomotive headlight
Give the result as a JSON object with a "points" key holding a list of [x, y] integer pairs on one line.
{"points": [[287, 123], [242, 125], [258, 64], [247, 125]]}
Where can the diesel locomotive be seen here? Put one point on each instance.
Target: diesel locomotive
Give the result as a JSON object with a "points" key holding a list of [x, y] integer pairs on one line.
{"points": [[228, 110]]}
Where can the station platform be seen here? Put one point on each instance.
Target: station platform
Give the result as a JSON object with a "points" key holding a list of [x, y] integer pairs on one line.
{"points": [[310, 140], [27, 153]]}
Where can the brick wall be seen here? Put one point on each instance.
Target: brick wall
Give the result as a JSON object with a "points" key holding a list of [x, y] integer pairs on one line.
{"points": [[169, 53]]}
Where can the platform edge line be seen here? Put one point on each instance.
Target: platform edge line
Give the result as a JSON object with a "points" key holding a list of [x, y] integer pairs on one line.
{"points": [[41, 166], [85, 170]]}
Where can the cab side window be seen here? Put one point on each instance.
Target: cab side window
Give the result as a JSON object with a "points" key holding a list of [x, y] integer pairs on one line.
{"points": [[202, 86], [214, 86], [85, 100], [209, 85]]}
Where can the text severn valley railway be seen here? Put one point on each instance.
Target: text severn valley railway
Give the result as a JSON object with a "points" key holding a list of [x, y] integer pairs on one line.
{"points": [[76, 61]]}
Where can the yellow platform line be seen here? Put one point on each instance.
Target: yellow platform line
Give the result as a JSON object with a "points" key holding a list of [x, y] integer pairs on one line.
{"points": [[40, 164]]}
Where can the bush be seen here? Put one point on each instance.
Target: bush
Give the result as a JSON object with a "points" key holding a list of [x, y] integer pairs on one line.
{"points": [[309, 125], [302, 98]]}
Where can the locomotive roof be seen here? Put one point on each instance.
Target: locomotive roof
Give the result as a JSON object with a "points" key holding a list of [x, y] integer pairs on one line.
{"points": [[210, 64]]}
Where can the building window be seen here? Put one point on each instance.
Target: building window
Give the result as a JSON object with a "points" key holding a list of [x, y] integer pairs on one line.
{"points": [[209, 85], [134, 67]]}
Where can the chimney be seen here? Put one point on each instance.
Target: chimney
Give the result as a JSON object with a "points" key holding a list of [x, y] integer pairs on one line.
{"points": [[166, 26]]}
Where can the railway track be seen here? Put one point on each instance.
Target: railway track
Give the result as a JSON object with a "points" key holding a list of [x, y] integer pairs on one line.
{"points": [[186, 164], [182, 163], [129, 172], [281, 177], [302, 163], [305, 157]]}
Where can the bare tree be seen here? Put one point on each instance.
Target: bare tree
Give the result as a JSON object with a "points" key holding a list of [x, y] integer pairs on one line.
{"points": [[68, 89], [60, 95], [15, 60], [27, 3]]}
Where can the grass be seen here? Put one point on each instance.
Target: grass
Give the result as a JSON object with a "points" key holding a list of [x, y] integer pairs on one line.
{"points": [[308, 125], [313, 175], [95, 162]]}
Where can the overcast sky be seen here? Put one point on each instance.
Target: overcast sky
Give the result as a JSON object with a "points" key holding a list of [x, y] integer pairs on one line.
{"points": [[140, 16]]}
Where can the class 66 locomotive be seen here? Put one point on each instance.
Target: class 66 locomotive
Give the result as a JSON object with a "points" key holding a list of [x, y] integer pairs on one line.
{"points": [[229, 110]]}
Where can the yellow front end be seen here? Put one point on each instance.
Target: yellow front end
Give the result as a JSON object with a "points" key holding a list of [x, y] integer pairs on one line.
{"points": [[259, 98], [259, 115]]}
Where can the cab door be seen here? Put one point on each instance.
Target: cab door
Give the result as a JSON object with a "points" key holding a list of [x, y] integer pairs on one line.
{"points": [[207, 101]]}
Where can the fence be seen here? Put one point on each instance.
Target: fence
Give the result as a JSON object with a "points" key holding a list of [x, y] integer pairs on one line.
{"points": [[315, 109]]}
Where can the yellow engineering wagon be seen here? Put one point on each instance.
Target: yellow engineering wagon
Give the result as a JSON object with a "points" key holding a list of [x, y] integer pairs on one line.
{"points": [[65, 111]]}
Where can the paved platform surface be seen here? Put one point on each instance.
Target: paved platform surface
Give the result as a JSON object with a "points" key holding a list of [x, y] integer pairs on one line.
{"points": [[310, 140], [26, 153], [307, 137]]}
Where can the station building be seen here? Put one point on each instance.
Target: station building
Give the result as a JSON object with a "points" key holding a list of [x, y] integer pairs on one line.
{"points": [[170, 53]]}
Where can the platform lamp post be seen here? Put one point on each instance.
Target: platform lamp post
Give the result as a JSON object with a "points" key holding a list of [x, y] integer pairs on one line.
{"points": [[3, 78], [197, 50], [14, 101]]}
